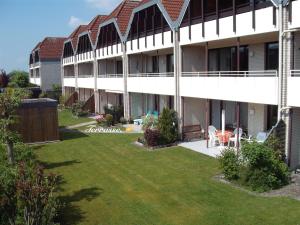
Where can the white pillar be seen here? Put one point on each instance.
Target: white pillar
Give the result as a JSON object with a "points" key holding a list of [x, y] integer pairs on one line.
{"points": [[177, 75], [96, 92], [125, 76]]}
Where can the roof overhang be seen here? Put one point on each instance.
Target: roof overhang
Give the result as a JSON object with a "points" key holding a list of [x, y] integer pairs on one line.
{"points": [[147, 5]]}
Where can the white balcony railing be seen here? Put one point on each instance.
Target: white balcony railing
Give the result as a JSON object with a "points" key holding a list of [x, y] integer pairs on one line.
{"points": [[171, 74], [68, 60], [241, 86], [295, 73], [85, 76], [110, 75], [262, 73]]}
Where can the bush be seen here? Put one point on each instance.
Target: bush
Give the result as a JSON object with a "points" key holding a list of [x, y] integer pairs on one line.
{"points": [[26, 194], [19, 79], [263, 169], [77, 109], [4, 79], [123, 120], [43, 95], [229, 163], [101, 121], [150, 122], [109, 120], [116, 111], [168, 126], [277, 146], [152, 137]]}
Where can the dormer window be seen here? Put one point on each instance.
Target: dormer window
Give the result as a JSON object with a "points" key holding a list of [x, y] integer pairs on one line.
{"points": [[84, 44]]}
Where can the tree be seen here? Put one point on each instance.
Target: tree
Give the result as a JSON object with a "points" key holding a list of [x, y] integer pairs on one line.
{"points": [[19, 79], [168, 125], [4, 79], [10, 100]]}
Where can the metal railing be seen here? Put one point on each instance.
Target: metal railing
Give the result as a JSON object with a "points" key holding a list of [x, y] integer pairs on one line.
{"points": [[262, 73], [110, 75], [69, 76], [85, 76], [152, 75], [295, 73]]}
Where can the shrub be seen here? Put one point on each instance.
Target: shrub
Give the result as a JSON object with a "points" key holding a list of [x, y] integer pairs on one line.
{"points": [[123, 120], [277, 146], [263, 169], [77, 109], [101, 121], [152, 137], [116, 111], [229, 163], [4, 79], [109, 120], [150, 122], [43, 95], [19, 79], [168, 126]]}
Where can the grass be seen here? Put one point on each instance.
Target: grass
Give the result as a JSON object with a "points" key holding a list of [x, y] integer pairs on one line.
{"points": [[65, 118], [108, 180]]}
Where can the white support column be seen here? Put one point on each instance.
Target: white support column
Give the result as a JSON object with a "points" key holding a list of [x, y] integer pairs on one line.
{"points": [[62, 73], [125, 76], [76, 74], [96, 92], [177, 75]]}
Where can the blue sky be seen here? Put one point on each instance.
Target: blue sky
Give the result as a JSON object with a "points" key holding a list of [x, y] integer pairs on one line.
{"points": [[23, 23]]}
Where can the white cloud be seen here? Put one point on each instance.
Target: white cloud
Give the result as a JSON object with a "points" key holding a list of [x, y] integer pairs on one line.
{"points": [[106, 6], [74, 21]]}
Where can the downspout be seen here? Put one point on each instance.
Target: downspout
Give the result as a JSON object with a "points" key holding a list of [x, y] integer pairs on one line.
{"points": [[62, 75], [280, 70]]}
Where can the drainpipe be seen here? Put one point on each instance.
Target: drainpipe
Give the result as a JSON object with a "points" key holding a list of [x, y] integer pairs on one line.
{"points": [[280, 71]]}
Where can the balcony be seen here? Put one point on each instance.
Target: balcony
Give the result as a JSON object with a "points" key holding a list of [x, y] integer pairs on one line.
{"points": [[109, 52], [86, 81], [264, 24], [150, 43], [111, 82], [85, 57], [69, 81], [69, 60], [243, 86], [295, 17], [152, 83], [293, 88]]}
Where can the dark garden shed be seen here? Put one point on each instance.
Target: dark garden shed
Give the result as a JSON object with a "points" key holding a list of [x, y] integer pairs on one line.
{"points": [[38, 120]]}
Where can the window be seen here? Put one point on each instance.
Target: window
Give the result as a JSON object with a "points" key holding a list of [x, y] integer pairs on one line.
{"points": [[272, 116], [225, 59], [155, 66], [272, 56], [119, 67], [170, 63]]}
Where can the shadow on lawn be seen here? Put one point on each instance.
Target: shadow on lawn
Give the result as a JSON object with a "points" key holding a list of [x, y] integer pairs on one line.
{"points": [[54, 165], [71, 134], [71, 214]]}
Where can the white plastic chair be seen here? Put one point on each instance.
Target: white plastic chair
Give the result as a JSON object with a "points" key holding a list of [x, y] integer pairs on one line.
{"points": [[261, 137], [235, 138], [213, 138]]}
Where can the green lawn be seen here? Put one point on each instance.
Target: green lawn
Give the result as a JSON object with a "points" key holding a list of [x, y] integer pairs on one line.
{"points": [[108, 180], [65, 118]]}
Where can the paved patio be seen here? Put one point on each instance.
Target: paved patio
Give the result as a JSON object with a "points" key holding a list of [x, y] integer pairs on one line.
{"points": [[200, 146]]}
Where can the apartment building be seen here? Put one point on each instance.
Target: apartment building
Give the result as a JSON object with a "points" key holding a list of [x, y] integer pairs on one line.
{"points": [[44, 63], [203, 58]]}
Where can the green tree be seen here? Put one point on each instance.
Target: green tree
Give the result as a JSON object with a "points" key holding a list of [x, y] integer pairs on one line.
{"points": [[19, 79], [168, 126], [3, 79], [10, 100]]}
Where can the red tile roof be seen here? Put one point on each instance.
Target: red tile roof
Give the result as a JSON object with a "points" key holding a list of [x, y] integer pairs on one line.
{"points": [[74, 35], [93, 26], [173, 7], [51, 47], [123, 13]]}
